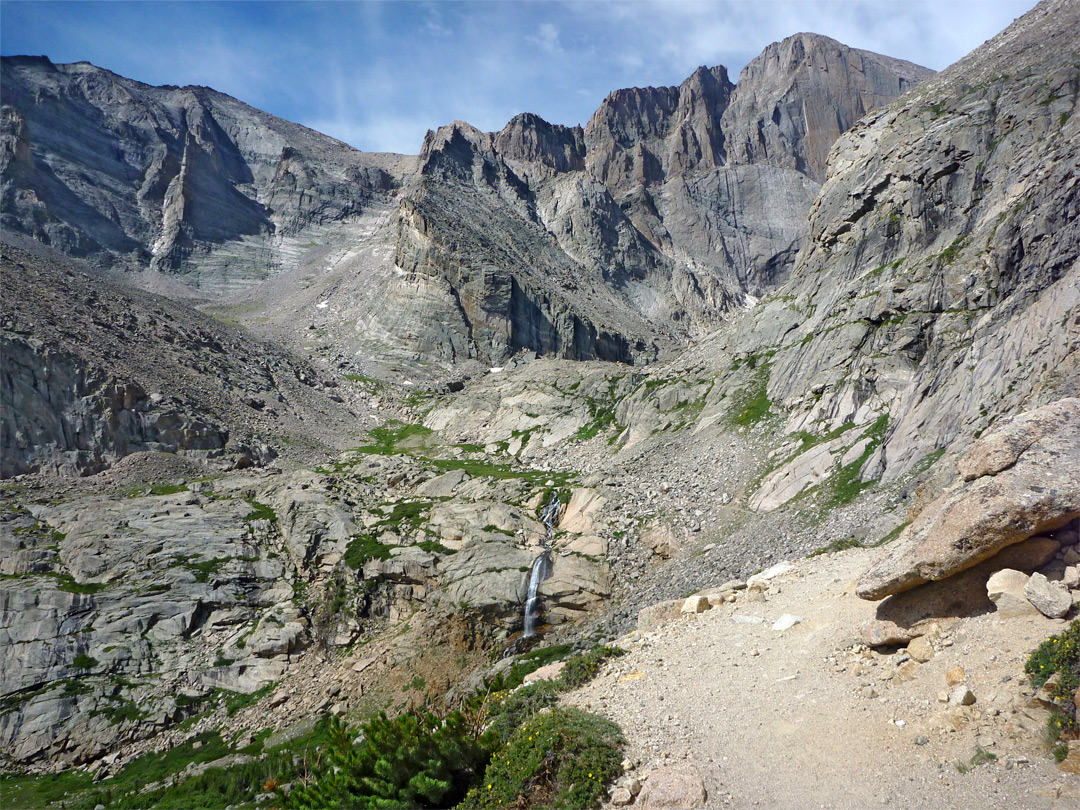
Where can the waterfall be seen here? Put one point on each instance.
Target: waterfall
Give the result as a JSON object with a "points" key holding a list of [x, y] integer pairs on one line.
{"points": [[541, 567]]}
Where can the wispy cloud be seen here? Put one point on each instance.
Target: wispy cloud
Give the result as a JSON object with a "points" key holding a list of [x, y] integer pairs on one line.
{"points": [[379, 75]]}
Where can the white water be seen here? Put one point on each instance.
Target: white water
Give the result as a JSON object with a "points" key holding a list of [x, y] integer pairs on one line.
{"points": [[541, 568]]}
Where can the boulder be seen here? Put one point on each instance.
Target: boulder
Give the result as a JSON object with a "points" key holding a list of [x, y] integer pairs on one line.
{"points": [[545, 673], [581, 511], [654, 615], [1010, 490], [661, 539], [908, 615], [1006, 590], [696, 604], [1052, 599], [673, 787]]}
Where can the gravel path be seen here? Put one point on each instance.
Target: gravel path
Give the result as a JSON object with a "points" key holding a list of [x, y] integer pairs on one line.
{"points": [[808, 717]]}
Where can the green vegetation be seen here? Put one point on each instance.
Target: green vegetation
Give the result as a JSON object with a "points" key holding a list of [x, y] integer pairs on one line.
{"points": [[893, 534], [364, 547], [845, 485], [1056, 664], [259, 511], [948, 256], [837, 545], [514, 706], [980, 757], [414, 760], [563, 758], [751, 404], [67, 583], [83, 661], [583, 667], [386, 438], [167, 489], [529, 663], [205, 568]]}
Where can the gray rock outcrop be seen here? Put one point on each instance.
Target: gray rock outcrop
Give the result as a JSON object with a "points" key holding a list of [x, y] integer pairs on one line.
{"points": [[613, 241], [939, 284], [1037, 492], [186, 179]]}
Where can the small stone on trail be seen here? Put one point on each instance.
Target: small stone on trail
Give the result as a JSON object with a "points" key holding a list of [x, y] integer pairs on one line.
{"points": [[786, 622], [696, 604], [921, 740], [955, 676], [962, 696]]}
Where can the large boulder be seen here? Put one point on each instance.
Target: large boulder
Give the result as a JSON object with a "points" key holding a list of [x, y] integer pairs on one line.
{"points": [[910, 614], [1022, 479]]}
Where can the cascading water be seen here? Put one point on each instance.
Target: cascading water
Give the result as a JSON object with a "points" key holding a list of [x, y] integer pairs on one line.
{"points": [[541, 567]]}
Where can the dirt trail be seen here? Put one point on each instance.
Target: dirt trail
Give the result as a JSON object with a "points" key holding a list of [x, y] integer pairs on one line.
{"points": [[808, 718]]}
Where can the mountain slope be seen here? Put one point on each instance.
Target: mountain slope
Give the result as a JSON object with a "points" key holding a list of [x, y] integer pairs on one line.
{"points": [[669, 208], [186, 180], [941, 281]]}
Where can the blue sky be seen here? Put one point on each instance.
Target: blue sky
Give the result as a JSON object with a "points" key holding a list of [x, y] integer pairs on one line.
{"points": [[380, 74]]}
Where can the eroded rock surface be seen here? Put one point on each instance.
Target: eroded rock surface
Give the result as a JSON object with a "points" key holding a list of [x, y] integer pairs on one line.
{"points": [[977, 518]]}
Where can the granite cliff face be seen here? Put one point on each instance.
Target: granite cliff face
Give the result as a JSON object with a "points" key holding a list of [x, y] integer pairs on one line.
{"points": [[666, 211], [939, 284], [187, 180], [95, 371]]}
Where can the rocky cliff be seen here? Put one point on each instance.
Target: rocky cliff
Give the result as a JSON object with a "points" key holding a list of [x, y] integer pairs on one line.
{"points": [[94, 370], [185, 179], [939, 286], [663, 214]]}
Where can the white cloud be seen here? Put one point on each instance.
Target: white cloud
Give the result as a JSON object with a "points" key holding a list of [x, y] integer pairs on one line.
{"points": [[547, 38]]}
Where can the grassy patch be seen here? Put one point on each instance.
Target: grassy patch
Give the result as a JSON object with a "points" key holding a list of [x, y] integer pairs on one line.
{"points": [[893, 533], [259, 511], [67, 583], [364, 547], [386, 438], [837, 545], [844, 485], [167, 489], [751, 404]]}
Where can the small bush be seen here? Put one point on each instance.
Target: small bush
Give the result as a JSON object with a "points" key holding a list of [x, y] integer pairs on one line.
{"points": [[583, 667], [1059, 655], [83, 661], [562, 758], [510, 710]]}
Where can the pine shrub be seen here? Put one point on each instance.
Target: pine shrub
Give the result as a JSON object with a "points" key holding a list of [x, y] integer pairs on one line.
{"points": [[413, 761]]}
